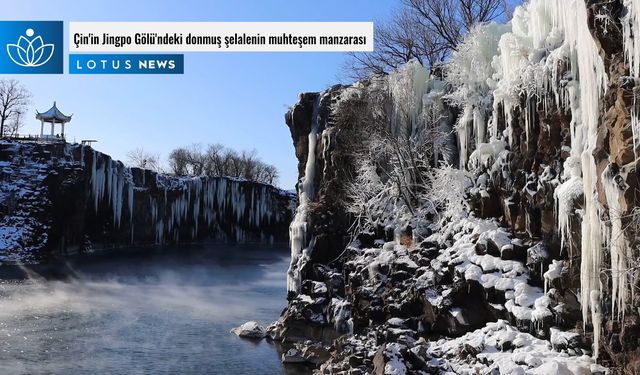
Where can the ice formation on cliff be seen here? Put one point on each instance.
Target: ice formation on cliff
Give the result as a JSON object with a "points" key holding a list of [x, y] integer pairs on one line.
{"points": [[618, 245], [630, 29], [544, 32], [407, 87], [547, 57], [109, 179], [565, 196], [470, 72], [301, 245], [183, 204]]}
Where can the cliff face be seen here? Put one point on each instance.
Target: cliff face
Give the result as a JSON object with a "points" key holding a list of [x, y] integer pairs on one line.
{"points": [[328, 221], [59, 199], [552, 221]]}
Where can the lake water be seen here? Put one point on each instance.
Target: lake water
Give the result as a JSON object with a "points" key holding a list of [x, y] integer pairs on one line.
{"points": [[152, 312]]}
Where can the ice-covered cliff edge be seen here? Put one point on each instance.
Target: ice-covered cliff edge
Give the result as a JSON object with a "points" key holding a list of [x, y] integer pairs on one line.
{"points": [[543, 111], [58, 199]]}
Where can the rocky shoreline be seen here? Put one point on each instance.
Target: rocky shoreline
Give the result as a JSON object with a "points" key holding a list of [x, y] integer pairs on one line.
{"points": [[437, 306], [532, 272]]}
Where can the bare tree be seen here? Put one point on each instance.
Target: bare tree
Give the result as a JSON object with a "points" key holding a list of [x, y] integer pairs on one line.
{"points": [[218, 160], [394, 147], [14, 99], [214, 160], [397, 42], [425, 30], [451, 19], [250, 164], [143, 159], [196, 159], [13, 127], [178, 161]]}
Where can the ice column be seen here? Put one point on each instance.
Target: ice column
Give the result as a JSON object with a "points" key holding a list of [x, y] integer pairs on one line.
{"points": [[301, 248]]}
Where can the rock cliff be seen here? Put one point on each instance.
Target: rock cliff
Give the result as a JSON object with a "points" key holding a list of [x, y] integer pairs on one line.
{"points": [[544, 257], [58, 199]]}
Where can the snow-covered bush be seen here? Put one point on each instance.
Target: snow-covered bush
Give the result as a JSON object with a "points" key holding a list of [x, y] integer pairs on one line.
{"points": [[368, 196], [448, 190], [390, 186], [394, 149]]}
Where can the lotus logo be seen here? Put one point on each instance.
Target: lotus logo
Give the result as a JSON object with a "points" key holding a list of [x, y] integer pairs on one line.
{"points": [[30, 51]]}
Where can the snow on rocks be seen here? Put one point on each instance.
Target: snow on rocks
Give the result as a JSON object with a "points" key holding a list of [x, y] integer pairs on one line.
{"points": [[498, 347], [24, 223], [543, 35], [389, 361], [554, 273], [250, 330], [453, 291], [565, 340], [528, 305], [340, 315], [307, 352], [503, 348], [293, 355], [487, 154]]}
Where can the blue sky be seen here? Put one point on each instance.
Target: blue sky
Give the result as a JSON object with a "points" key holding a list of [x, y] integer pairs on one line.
{"points": [[237, 99]]}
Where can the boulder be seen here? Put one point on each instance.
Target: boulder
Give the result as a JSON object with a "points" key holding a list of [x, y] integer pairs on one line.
{"points": [[565, 340], [293, 355], [307, 352], [513, 251], [389, 360], [250, 330]]}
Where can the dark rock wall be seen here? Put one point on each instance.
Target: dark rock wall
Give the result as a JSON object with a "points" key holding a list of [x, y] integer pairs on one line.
{"points": [[68, 199], [328, 219], [537, 164]]}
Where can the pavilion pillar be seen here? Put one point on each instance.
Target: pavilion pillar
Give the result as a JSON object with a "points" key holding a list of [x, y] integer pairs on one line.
{"points": [[52, 126], [62, 134], [41, 128]]}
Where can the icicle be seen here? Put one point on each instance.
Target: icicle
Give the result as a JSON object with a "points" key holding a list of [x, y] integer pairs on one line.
{"points": [[618, 245], [117, 190], [565, 195], [554, 272], [479, 126], [561, 26], [635, 126], [529, 111], [571, 18], [196, 206], [130, 197], [98, 180], [463, 134], [596, 320], [407, 86], [631, 32], [300, 248]]}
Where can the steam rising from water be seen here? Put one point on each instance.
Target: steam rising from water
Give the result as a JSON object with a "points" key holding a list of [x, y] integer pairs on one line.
{"points": [[139, 316]]}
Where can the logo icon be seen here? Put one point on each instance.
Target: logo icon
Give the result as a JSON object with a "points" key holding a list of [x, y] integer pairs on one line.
{"points": [[30, 51], [31, 47]]}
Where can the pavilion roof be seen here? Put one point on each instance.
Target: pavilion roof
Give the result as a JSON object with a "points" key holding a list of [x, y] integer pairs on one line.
{"points": [[53, 114]]}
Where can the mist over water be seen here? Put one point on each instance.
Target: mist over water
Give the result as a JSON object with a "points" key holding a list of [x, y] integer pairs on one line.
{"points": [[165, 312]]}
